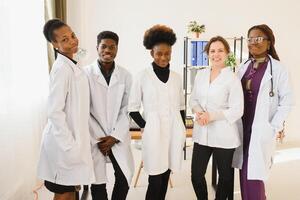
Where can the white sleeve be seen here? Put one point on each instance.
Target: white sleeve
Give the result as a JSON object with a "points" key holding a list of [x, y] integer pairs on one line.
{"points": [[193, 98], [235, 108], [285, 101], [95, 128], [59, 93], [136, 95], [121, 129]]}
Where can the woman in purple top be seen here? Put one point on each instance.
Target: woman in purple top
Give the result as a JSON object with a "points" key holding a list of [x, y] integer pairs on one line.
{"points": [[267, 102]]}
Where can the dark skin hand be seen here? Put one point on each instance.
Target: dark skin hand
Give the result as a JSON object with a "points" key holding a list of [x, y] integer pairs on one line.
{"points": [[106, 144]]}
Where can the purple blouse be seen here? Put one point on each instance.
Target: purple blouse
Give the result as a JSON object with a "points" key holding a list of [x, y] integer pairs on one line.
{"points": [[251, 83]]}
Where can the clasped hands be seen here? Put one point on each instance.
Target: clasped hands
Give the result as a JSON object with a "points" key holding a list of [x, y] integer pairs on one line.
{"points": [[105, 144], [202, 118]]}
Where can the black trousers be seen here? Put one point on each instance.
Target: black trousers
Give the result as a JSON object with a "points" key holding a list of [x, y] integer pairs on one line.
{"points": [[200, 159], [121, 186], [158, 186]]}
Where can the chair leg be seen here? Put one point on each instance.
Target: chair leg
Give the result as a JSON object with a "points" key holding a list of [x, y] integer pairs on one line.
{"points": [[35, 190], [138, 174], [170, 181]]}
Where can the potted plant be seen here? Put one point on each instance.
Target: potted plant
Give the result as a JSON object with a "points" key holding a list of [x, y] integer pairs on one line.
{"points": [[231, 61], [195, 27]]}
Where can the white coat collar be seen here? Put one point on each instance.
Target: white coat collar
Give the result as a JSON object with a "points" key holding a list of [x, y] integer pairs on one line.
{"points": [[75, 67], [100, 78], [244, 66]]}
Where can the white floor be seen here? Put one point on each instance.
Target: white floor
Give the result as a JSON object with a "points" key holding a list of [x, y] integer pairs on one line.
{"points": [[284, 183]]}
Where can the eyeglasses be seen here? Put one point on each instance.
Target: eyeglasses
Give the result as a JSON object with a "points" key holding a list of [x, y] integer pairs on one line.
{"points": [[256, 40]]}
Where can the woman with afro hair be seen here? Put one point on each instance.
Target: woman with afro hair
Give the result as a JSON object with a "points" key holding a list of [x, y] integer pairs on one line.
{"points": [[159, 91]]}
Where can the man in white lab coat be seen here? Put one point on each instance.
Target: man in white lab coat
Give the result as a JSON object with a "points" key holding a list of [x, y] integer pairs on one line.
{"points": [[109, 123]]}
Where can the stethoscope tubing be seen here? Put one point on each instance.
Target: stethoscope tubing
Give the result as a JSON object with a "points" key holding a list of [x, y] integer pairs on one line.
{"points": [[271, 93]]}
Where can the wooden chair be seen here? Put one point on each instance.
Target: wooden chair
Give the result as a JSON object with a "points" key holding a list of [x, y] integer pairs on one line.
{"points": [[36, 189]]}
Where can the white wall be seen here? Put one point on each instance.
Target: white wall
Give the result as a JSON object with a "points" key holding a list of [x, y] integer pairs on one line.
{"points": [[228, 18]]}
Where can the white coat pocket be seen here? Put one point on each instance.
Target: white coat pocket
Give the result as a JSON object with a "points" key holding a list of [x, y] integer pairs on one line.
{"points": [[70, 157], [268, 145]]}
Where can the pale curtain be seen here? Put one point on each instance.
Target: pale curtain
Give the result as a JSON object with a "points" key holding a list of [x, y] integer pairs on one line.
{"points": [[23, 94], [54, 9]]}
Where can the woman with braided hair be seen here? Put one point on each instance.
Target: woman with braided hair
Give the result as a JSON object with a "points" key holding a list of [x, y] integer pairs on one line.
{"points": [[267, 102]]}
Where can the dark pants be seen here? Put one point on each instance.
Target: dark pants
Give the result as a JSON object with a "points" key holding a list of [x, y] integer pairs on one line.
{"points": [[158, 185], [200, 159], [121, 186]]}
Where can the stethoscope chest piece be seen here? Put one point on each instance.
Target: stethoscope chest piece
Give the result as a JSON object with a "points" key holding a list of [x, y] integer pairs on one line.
{"points": [[271, 94]]}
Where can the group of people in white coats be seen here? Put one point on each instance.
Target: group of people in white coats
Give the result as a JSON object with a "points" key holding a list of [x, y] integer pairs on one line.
{"points": [[89, 109], [88, 117]]}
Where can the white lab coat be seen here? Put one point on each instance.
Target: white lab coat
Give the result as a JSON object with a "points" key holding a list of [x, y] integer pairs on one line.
{"points": [[109, 117], [223, 96], [164, 133], [270, 113], [65, 156]]}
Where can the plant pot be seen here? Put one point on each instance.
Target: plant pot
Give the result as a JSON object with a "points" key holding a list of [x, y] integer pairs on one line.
{"points": [[196, 34]]}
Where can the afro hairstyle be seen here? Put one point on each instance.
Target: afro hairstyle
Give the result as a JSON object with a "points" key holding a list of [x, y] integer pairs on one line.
{"points": [[159, 34]]}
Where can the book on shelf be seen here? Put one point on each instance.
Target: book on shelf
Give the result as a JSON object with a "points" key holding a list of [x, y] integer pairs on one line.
{"points": [[197, 55]]}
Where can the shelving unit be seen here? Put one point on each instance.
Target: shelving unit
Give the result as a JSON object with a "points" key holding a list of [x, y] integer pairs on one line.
{"points": [[190, 69]]}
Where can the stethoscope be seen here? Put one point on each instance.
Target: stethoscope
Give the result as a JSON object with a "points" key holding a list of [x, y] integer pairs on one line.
{"points": [[271, 93]]}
